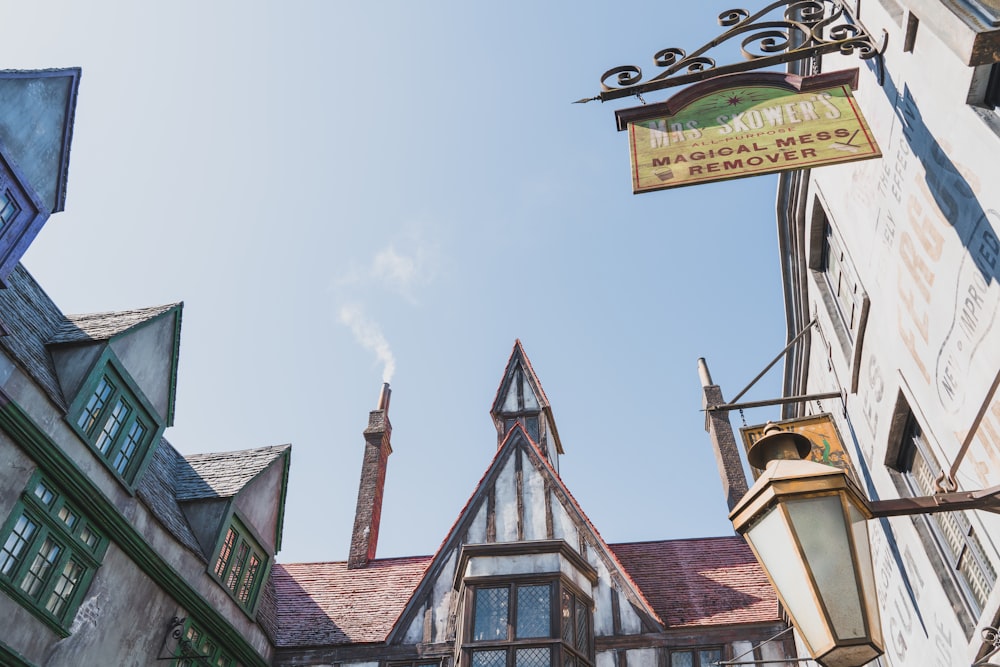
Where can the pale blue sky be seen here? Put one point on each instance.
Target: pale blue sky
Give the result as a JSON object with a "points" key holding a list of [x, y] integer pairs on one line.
{"points": [[304, 175]]}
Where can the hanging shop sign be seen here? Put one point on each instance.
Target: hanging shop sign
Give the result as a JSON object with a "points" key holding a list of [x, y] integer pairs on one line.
{"points": [[827, 447], [746, 125]]}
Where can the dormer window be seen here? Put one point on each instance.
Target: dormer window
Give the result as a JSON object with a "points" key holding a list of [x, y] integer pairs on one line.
{"points": [[111, 417], [240, 564]]}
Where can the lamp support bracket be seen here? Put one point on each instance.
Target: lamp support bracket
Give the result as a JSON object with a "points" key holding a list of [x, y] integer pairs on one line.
{"points": [[725, 407], [987, 500], [781, 32]]}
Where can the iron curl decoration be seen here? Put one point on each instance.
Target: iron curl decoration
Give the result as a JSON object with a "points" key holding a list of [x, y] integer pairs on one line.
{"points": [[781, 32], [991, 638]]}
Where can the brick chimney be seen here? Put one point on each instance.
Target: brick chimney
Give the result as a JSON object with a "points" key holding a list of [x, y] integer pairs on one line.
{"points": [[369, 510]]}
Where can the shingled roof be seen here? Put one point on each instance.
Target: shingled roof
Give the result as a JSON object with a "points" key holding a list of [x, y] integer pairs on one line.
{"points": [[325, 604], [30, 317], [701, 582], [103, 326], [156, 490], [221, 474], [690, 583]]}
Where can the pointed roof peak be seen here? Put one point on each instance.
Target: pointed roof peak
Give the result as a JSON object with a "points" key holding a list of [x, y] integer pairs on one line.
{"points": [[519, 388], [520, 398]]}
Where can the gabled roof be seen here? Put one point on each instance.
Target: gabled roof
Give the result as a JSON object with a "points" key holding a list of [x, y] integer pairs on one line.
{"points": [[326, 604], [700, 582], [152, 364], [221, 474], [516, 438], [105, 326]]}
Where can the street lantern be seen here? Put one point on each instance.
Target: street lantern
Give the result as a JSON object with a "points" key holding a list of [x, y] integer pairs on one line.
{"points": [[806, 524]]}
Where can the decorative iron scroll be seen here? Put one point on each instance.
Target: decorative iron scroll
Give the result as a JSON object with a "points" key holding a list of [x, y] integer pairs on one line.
{"points": [[783, 31], [991, 638]]}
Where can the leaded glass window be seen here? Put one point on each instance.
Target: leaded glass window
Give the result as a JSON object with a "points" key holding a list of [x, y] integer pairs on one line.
{"points": [[528, 624], [696, 658]]}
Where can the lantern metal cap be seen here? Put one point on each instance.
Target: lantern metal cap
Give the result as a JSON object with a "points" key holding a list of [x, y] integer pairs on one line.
{"points": [[777, 444]]}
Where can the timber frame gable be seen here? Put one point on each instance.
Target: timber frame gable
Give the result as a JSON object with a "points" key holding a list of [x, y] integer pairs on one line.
{"points": [[521, 507]]}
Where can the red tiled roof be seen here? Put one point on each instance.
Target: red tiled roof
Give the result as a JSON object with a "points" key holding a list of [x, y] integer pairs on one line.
{"points": [[698, 582], [327, 604]]}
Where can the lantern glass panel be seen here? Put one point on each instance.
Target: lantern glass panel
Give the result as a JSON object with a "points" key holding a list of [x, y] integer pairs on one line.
{"points": [[863, 558], [821, 528], [771, 538]]}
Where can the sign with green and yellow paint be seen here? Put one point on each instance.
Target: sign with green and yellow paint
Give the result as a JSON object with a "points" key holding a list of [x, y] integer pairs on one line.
{"points": [[746, 125], [827, 447]]}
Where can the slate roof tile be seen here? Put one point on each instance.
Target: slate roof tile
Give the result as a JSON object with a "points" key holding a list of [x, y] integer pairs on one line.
{"points": [[103, 326], [325, 604], [30, 317], [221, 474], [156, 490], [699, 582]]}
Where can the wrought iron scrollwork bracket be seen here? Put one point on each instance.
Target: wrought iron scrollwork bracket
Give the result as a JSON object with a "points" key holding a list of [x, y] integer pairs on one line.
{"points": [[781, 32], [991, 637]]}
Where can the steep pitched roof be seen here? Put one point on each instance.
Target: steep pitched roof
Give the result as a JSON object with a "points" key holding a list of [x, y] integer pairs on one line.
{"points": [[517, 437], [221, 474], [326, 604], [690, 583], [701, 582], [30, 317], [156, 490], [104, 326], [521, 389]]}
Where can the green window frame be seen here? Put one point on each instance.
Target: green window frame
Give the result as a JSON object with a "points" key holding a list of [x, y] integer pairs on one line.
{"points": [[528, 623], [49, 553], [111, 417], [240, 565], [196, 648]]}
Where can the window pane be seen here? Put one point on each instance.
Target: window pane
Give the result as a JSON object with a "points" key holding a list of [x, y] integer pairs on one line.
{"points": [[67, 516], [251, 579], [534, 617], [111, 427], [65, 585], [533, 657], [567, 615], [8, 208], [709, 658], [44, 493], [490, 614], [582, 628], [16, 541], [225, 552], [685, 659], [233, 580], [41, 567], [94, 405], [489, 659], [128, 447]]}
